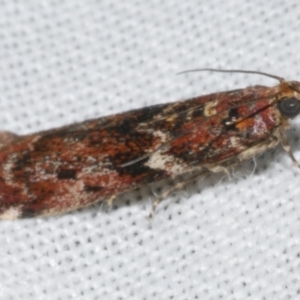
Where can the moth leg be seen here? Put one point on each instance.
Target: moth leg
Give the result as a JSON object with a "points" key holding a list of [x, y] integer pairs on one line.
{"points": [[218, 169], [110, 200], [285, 145], [177, 186]]}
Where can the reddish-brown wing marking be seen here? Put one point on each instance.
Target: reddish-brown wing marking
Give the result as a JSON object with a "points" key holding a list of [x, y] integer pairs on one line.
{"points": [[59, 170]]}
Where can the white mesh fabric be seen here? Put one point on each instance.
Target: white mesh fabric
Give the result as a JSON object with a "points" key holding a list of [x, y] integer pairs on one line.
{"points": [[224, 238]]}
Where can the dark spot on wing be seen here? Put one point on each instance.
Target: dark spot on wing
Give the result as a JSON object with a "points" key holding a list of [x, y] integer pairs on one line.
{"points": [[92, 188], [66, 174]]}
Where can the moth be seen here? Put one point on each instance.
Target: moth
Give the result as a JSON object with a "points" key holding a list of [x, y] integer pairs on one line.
{"points": [[60, 170]]}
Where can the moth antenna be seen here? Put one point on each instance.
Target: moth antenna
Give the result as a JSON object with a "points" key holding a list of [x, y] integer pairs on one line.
{"points": [[280, 79]]}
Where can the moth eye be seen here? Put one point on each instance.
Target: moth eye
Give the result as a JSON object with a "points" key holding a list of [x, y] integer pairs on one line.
{"points": [[289, 107]]}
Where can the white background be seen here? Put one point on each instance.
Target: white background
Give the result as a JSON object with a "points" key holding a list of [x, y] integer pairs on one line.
{"points": [[223, 238]]}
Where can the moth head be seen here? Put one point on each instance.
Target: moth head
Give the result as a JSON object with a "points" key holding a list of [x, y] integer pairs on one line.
{"points": [[289, 105]]}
